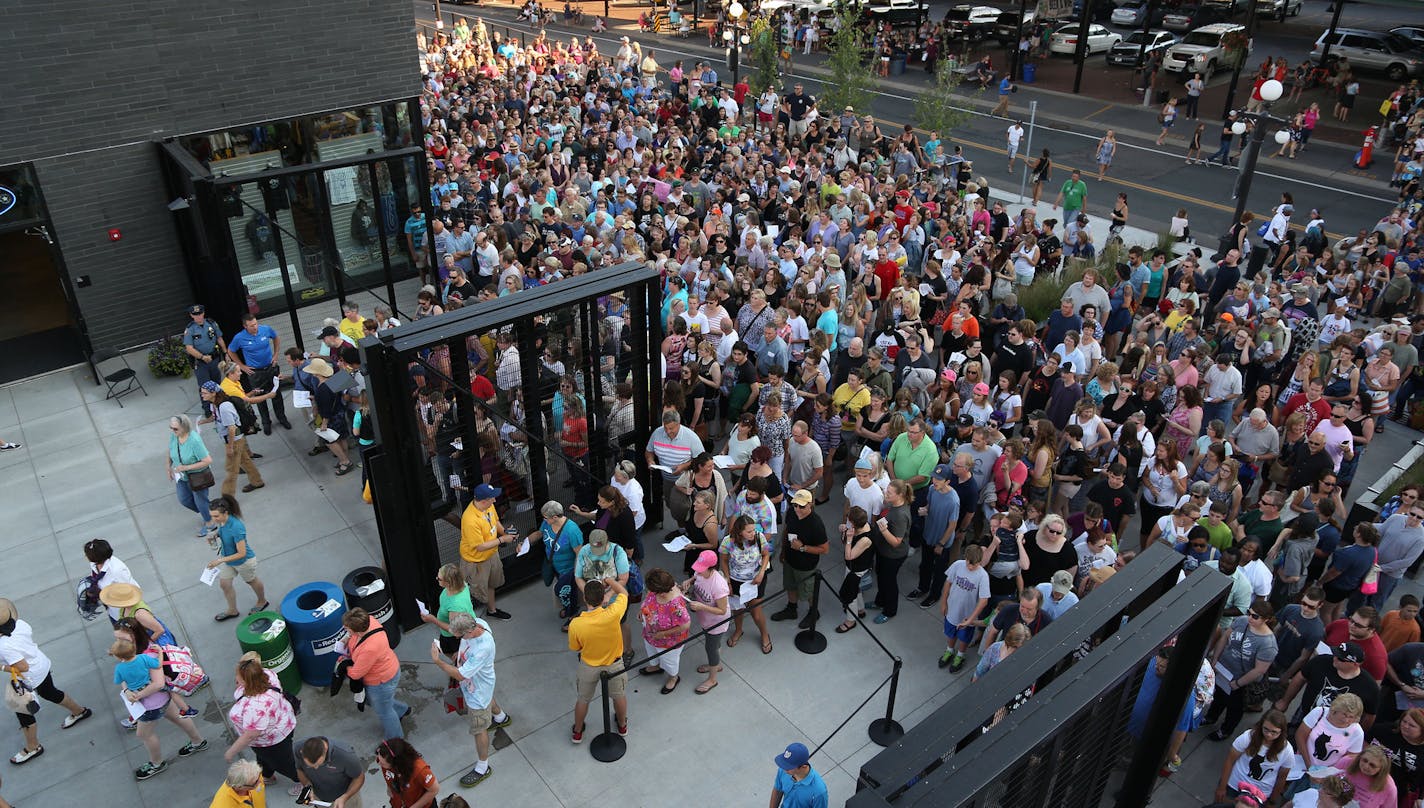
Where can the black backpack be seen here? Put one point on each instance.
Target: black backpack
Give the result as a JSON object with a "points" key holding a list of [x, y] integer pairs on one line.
{"points": [[246, 417]]}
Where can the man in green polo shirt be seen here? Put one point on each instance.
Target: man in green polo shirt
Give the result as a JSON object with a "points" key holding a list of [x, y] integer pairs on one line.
{"points": [[913, 458], [1073, 196]]}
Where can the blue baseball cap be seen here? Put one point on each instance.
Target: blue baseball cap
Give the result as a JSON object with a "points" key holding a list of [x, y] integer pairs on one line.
{"points": [[487, 491], [795, 756]]}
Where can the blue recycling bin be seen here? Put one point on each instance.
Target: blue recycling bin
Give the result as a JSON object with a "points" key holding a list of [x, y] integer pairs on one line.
{"points": [[313, 613], [1029, 71], [897, 64]]}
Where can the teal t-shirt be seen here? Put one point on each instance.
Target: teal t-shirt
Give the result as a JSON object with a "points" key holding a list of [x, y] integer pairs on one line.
{"points": [[458, 602], [232, 532], [133, 673]]}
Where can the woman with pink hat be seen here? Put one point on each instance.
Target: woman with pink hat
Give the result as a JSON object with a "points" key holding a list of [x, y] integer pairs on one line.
{"points": [[709, 592]]}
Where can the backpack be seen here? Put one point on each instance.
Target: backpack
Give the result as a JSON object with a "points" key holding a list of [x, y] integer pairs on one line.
{"points": [[87, 597], [246, 417], [1314, 240]]}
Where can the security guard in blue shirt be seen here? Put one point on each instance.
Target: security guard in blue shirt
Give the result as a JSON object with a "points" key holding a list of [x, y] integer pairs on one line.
{"points": [[255, 350], [203, 340]]}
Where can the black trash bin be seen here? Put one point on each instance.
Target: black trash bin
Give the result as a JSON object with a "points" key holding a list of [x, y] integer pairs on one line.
{"points": [[366, 588]]}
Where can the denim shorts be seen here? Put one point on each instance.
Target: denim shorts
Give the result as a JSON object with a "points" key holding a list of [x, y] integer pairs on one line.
{"points": [[954, 633]]}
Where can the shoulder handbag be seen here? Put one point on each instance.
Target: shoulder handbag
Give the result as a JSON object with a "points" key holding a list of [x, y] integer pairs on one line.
{"points": [[20, 697], [183, 674], [1370, 585], [198, 479], [338, 676]]}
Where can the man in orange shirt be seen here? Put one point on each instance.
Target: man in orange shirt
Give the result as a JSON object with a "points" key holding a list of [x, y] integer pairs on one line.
{"points": [[375, 665], [481, 535], [1400, 626], [597, 635]]}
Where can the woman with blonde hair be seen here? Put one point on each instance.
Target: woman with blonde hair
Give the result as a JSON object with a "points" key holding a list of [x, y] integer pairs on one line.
{"points": [[454, 598], [1047, 551], [1369, 774], [1013, 640], [264, 720]]}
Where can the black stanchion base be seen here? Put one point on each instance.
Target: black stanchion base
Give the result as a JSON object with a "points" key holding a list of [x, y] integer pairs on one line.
{"points": [[810, 641], [883, 731], [610, 746]]}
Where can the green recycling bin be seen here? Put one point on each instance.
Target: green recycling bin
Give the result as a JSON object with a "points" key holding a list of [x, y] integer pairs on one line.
{"points": [[266, 633]]}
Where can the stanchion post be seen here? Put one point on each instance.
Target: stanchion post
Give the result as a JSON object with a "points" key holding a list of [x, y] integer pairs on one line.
{"points": [[608, 746], [809, 640], [885, 731]]}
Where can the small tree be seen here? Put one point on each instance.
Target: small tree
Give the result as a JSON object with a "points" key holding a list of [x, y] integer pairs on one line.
{"points": [[762, 55], [851, 79], [936, 109]]}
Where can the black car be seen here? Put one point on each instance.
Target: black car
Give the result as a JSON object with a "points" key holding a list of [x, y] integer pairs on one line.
{"points": [[1006, 28], [1130, 51], [971, 22]]}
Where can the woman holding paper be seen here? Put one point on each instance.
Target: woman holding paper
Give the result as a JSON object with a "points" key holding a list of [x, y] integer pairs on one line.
{"points": [[235, 557], [1242, 655], [454, 597], [187, 454], [746, 556]]}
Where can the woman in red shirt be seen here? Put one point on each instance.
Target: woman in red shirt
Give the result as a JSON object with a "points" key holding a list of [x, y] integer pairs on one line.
{"points": [[409, 781]]}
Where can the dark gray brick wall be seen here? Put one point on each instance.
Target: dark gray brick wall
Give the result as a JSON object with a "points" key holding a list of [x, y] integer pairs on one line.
{"points": [[91, 86]]}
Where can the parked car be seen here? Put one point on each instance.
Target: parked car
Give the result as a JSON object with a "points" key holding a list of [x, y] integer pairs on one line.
{"points": [[971, 22], [1100, 11], [1132, 15], [1202, 51], [1193, 16], [1130, 51], [898, 12], [1065, 39], [1006, 27], [1278, 9], [1377, 51]]}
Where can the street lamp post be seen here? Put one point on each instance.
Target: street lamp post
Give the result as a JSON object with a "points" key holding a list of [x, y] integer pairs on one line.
{"points": [[735, 37], [1271, 91]]}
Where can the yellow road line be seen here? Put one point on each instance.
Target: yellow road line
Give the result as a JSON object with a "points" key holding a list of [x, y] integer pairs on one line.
{"points": [[1105, 108]]}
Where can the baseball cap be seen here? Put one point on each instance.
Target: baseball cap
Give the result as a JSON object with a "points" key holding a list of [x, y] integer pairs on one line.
{"points": [[1299, 290], [966, 420], [1271, 313], [487, 491], [795, 756], [1349, 652], [706, 560], [196, 308], [743, 198], [597, 538], [1062, 582], [1200, 488], [863, 463], [802, 497], [981, 389], [943, 472]]}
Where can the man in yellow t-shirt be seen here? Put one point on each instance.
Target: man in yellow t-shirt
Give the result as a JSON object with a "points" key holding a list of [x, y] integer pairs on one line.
{"points": [[481, 535], [850, 398], [597, 635]]}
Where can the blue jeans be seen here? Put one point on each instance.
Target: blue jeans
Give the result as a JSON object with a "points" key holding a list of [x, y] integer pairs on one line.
{"points": [[1387, 583], [195, 501], [382, 699], [1220, 410]]}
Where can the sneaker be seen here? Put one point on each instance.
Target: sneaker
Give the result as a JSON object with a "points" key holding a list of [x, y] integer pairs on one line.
{"points": [[192, 748], [881, 619], [623, 729], [498, 614], [958, 664], [5, 447], [1218, 735], [204, 530], [128, 723], [508, 719], [474, 777], [190, 712], [787, 613], [148, 770], [295, 790], [915, 594], [576, 735], [946, 658], [1172, 767], [71, 720], [927, 601]]}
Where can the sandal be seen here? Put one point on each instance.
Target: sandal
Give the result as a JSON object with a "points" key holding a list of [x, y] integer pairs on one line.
{"points": [[222, 617], [703, 688], [261, 607], [708, 668], [344, 469], [649, 670], [71, 720], [848, 625], [766, 646], [668, 688], [26, 755], [734, 639]]}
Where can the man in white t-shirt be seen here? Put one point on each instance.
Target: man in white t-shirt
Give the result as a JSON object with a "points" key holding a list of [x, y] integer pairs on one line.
{"points": [[1014, 136]]}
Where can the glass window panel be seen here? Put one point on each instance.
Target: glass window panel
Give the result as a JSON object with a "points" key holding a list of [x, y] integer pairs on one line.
{"points": [[19, 195]]}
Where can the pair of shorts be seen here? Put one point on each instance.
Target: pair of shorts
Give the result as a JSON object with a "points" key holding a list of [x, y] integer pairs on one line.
{"points": [[480, 720], [802, 582], [736, 602], [483, 577], [954, 633], [588, 678], [247, 569], [1337, 594]]}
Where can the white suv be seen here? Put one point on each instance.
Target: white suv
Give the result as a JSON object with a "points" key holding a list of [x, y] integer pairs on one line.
{"points": [[1201, 51]]}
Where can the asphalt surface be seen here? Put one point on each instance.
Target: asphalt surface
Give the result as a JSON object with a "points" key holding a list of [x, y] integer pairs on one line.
{"points": [[1157, 179]]}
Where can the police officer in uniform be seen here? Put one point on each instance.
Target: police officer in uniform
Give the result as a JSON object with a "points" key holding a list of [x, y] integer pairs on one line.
{"points": [[203, 340]]}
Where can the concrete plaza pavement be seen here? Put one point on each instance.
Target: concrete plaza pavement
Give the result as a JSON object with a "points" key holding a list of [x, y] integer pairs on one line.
{"points": [[90, 469]]}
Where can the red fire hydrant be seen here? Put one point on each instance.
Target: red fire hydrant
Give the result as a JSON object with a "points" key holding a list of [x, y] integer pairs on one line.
{"points": [[1365, 157]]}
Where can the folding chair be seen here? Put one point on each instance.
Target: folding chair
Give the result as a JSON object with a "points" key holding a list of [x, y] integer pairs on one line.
{"points": [[121, 381]]}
